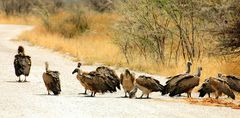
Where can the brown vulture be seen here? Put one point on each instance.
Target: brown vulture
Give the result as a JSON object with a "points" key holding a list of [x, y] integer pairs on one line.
{"points": [[97, 83], [147, 85], [186, 84], [216, 86], [127, 81], [111, 75], [232, 80], [22, 64], [52, 80], [79, 77], [171, 83]]}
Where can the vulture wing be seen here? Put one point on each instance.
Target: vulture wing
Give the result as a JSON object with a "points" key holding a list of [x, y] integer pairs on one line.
{"points": [[170, 84], [22, 65], [233, 82], [226, 90], [149, 83], [55, 85], [185, 84]]}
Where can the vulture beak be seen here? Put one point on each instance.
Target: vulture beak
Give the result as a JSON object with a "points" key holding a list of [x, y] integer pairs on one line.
{"points": [[75, 71]]}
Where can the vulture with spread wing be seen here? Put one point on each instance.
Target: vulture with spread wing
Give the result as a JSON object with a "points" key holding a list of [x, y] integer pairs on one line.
{"points": [[147, 85], [186, 84], [52, 80], [216, 86], [127, 81], [232, 80], [171, 83], [22, 64]]}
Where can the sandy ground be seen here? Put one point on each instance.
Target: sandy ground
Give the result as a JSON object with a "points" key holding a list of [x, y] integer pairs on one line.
{"points": [[30, 99]]}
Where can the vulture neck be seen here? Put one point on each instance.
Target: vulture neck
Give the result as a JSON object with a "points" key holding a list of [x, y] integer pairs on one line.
{"points": [[188, 68], [46, 67], [198, 72]]}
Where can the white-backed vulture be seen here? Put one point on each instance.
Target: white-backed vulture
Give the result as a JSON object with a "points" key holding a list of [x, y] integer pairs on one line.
{"points": [[52, 80], [186, 84], [232, 80], [147, 85], [171, 83], [111, 75], [216, 86], [79, 77], [22, 64], [127, 81]]}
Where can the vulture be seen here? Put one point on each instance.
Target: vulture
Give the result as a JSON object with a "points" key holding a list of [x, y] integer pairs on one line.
{"points": [[111, 75], [186, 84], [96, 83], [216, 86], [232, 80], [51, 80], [100, 81], [127, 81], [79, 77], [171, 83], [22, 64], [147, 85]]}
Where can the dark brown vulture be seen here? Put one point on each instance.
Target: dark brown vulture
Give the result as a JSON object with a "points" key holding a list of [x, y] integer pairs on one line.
{"points": [[186, 84], [52, 80], [171, 83], [111, 75], [232, 80], [127, 81], [216, 86], [22, 64], [97, 83], [147, 85]]}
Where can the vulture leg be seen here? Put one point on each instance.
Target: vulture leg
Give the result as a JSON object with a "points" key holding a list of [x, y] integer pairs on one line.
{"points": [[85, 92], [19, 79], [48, 92], [94, 94], [25, 80], [125, 94], [91, 94], [147, 96], [209, 95], [141, 96]]}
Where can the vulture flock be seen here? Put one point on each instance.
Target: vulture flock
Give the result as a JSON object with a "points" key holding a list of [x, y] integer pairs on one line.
{"points": [[104, 79]]}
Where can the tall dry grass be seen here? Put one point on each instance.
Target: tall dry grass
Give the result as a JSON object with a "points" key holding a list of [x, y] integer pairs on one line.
{"points": [[26, 20]]}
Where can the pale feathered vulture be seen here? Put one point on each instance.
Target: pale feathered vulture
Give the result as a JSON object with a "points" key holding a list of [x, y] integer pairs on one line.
{"points": [[52, 80], [147, 85], [232, 80], [127, 81], [216, 86], [79, 77], [111, 75], [22, 64], [186, 84], [171, 83]]}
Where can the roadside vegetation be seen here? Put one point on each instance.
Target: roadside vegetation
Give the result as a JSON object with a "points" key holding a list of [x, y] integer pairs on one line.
{"points": [[154, 36]]}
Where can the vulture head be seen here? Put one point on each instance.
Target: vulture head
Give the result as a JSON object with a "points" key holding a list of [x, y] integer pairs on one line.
{"points": [[20, 50], [75, 71]]}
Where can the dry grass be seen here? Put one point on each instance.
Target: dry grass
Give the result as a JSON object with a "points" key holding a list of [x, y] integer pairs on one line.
{"points": [[17, 19]]}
